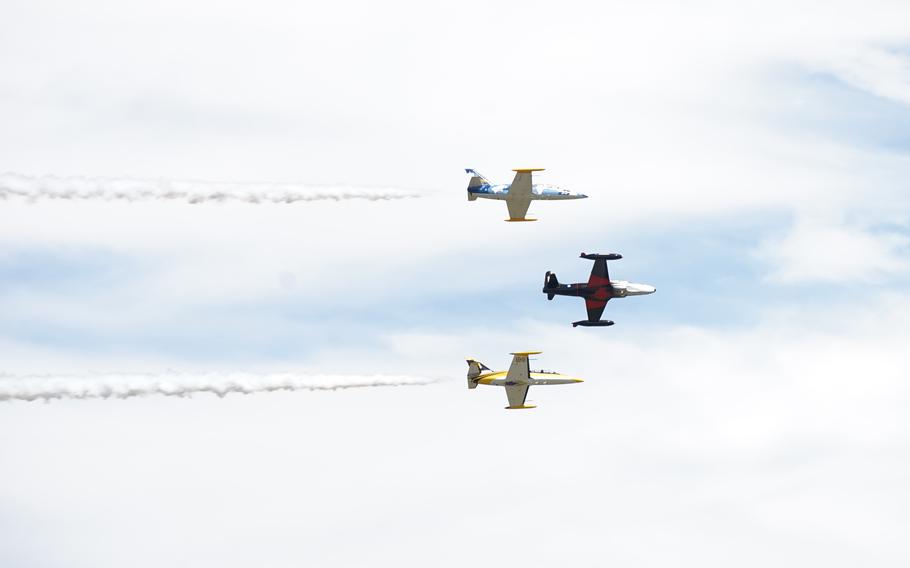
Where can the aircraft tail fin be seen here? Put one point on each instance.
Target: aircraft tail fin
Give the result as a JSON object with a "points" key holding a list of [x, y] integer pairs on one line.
{"points": [[550, 282], [477, 181], [475, 369]]}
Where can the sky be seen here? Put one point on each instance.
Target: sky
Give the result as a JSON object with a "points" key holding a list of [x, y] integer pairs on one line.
{"points": [[750, 160]]}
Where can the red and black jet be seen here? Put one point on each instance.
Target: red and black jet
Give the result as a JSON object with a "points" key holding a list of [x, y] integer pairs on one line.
{"points": [[597, 291]]}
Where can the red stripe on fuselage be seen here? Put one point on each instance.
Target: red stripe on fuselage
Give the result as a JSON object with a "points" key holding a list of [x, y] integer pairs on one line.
{"points": [[603, 293]]}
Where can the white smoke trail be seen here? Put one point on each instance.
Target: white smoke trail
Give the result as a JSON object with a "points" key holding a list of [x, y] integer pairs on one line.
{"points": [[52, 387], [34, 189]]}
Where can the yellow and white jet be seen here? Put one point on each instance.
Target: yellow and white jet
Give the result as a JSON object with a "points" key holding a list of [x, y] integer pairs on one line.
{"points": [[517, 380]]}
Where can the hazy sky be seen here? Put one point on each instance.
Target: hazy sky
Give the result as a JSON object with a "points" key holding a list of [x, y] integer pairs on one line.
{"points": [[751, 161]]}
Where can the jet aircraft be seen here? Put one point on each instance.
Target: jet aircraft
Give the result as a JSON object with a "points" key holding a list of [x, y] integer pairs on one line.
{"points": [[519, 194], [517, 380], [597, 291]]}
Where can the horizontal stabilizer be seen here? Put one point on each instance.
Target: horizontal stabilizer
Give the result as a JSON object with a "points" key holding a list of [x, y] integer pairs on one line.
{"points": [[527, 353], [522, 407], [527, 170], [588, 323], [594, 256]]}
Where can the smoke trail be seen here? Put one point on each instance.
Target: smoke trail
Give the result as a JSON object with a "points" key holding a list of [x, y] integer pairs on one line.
{"points": [[109, 189], [50, 387]]}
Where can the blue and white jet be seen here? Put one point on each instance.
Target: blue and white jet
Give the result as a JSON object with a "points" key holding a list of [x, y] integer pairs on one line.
{"points": [[518, 194]]}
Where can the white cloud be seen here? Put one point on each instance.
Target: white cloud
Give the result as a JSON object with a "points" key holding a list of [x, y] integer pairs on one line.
{"points": [[835, 253], [882, 71]]}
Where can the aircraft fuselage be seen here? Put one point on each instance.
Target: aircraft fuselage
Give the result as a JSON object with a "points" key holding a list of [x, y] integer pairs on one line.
{"points": [[538, 191], [615, 289]]}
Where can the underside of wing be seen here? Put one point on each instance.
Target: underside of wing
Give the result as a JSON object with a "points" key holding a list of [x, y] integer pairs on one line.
{"points": [[519, 370], [518, 208], [595, 308], [521, 185], [517, 395], [600, 275], [520, 194]]}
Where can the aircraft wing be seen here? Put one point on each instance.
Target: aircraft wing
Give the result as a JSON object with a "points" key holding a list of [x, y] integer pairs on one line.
{"points": [[517, 395], [519, 198], [519, 370], [521, 185], [600, 275], [595, 308], [518, 208]]}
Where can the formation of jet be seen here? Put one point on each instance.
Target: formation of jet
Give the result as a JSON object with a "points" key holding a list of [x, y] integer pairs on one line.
{"points": [[517, 380], [597, 291], [518, 194]]}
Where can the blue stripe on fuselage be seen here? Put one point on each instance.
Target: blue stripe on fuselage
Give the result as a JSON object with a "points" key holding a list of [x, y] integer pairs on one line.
{"points": [[487, 189]]}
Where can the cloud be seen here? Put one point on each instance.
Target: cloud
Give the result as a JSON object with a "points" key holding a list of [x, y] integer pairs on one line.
{"points": [[816, 251], [108, 385], [33, 189], [880, 71]]}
